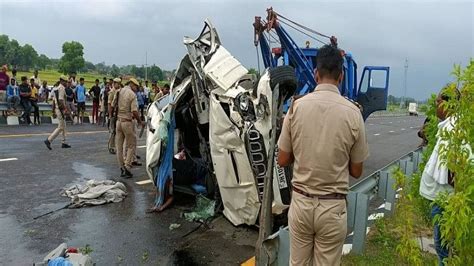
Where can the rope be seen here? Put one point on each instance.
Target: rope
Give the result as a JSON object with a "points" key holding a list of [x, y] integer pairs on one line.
{"points": [[312, 37], [302, 26]]}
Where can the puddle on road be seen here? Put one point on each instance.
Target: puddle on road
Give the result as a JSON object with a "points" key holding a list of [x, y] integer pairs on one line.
{"points": [[87, 172], [13, 250]]}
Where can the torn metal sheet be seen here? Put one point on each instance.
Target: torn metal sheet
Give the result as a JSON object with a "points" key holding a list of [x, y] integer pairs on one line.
{"points": [[223, 117]]}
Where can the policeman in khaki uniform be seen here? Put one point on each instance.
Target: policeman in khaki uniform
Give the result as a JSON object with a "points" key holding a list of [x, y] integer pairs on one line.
{"points": [[117, 84], [323, 135], [59, 106], [127, 110]]}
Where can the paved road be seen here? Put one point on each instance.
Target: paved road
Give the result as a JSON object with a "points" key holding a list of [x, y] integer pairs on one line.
{"points": [[123, 233]]}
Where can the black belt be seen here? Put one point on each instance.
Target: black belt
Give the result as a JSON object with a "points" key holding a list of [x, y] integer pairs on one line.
{"points": [[331, 196]]}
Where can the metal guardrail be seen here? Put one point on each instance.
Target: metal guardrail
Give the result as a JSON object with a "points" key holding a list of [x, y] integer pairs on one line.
{"points": [[379, 184], [42, 106]]}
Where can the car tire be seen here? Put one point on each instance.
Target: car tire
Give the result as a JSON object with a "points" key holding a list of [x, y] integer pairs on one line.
{"points": [[285, 77]]}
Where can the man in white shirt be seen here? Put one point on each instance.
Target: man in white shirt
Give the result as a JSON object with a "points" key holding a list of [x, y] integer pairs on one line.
{"points": [[437, 178], [146, 91]]}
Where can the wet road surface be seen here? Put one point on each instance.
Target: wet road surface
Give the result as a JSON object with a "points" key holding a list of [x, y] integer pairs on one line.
{"points": [[32, 177]]}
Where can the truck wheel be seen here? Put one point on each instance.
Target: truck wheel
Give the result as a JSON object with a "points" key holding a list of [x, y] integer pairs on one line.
{"points": [[285, 77]]}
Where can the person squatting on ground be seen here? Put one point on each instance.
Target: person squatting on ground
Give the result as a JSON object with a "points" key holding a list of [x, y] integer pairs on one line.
{"points": [[34, 101], [437, 178], [59, 108], [94, 92], [125, 103], [323, 134], [81, 100]]}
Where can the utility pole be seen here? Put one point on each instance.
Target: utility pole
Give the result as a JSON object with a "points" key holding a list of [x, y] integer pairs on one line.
{"points": [[146, 65], [402, 102]]}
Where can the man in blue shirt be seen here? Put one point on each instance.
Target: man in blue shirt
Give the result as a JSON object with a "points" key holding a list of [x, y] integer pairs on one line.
{"points": [[81, 100], [141, 102], [13, 96]]}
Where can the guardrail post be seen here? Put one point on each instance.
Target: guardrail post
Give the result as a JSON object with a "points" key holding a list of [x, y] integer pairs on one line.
{"points": [[360, 223], [351, 209], [416, 160], [403, 165], [390, 196], [382, 189]]}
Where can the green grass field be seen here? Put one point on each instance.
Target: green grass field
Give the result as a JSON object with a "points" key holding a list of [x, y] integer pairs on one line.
{"points": [[52, 76]]}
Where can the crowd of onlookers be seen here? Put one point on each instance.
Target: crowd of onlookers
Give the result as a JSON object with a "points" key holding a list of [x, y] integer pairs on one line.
{"points": [[27, 93]]}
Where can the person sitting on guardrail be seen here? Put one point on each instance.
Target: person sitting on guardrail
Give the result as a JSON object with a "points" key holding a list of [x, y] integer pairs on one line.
{"points": [[4, 79], [44, 92], [34, 101], [25, 93], [436, 177], [13, 97]]}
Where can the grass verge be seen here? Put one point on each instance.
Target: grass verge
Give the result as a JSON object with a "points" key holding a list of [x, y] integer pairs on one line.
{"points": [[381, 248]]}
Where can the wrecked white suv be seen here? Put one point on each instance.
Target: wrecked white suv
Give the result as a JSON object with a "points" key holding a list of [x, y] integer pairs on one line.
{"points": [[214, 130]]}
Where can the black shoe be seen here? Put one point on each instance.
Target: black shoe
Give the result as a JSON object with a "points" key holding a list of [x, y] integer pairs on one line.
{"points": [[127, 173], [138, 157], [135, 163], [65, 146], [122, 172], [48, 144]]}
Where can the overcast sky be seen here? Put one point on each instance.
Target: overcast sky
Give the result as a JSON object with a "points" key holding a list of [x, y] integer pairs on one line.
{"points": [[432, 35]]}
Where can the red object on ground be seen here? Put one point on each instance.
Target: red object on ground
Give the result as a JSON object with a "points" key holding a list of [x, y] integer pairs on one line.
{"points": [[72, 250]]}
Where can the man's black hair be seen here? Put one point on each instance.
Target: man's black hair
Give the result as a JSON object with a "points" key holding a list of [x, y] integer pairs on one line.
{"points": [[449, 92], [166, 86], [97, 80], [24, 78], [329, 62], [32, 79], [81, 79]]}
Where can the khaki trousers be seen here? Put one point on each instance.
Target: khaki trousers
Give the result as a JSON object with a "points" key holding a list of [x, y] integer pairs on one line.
{"points": [[124, 133], [318, 228], [60, 129]]}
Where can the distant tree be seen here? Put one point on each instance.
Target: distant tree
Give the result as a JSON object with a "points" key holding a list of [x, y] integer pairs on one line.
{"points": [[115, 71], [155, 73], [4, 42], [12, 54], [88, 66], [42, 62], [27, 57], [73, 58]]}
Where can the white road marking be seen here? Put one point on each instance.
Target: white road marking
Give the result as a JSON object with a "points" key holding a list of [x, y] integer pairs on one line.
{"points": [[143, 182], [371, 124], [8, 159], [390, 122], [375, 216], [141, 147], [391, 131], [402, 129], [412, 127], [377, 134]]}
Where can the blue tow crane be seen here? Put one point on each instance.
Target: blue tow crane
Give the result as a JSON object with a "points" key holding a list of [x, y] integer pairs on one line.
{"points": [[371, 92]]}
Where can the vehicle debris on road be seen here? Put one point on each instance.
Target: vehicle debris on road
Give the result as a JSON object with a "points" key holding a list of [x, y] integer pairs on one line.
{"points": [[95, 192]]}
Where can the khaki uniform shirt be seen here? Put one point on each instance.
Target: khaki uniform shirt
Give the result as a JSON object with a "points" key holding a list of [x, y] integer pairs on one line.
{"points": [[127, 103], [111, 95], [61, 96], [324, 131]]}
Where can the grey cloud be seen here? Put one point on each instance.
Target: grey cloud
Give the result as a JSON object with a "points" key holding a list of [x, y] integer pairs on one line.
{"points": [[433, 35]]}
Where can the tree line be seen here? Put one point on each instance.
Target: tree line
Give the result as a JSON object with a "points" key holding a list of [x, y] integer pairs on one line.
{"points": [[26, 57]]}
